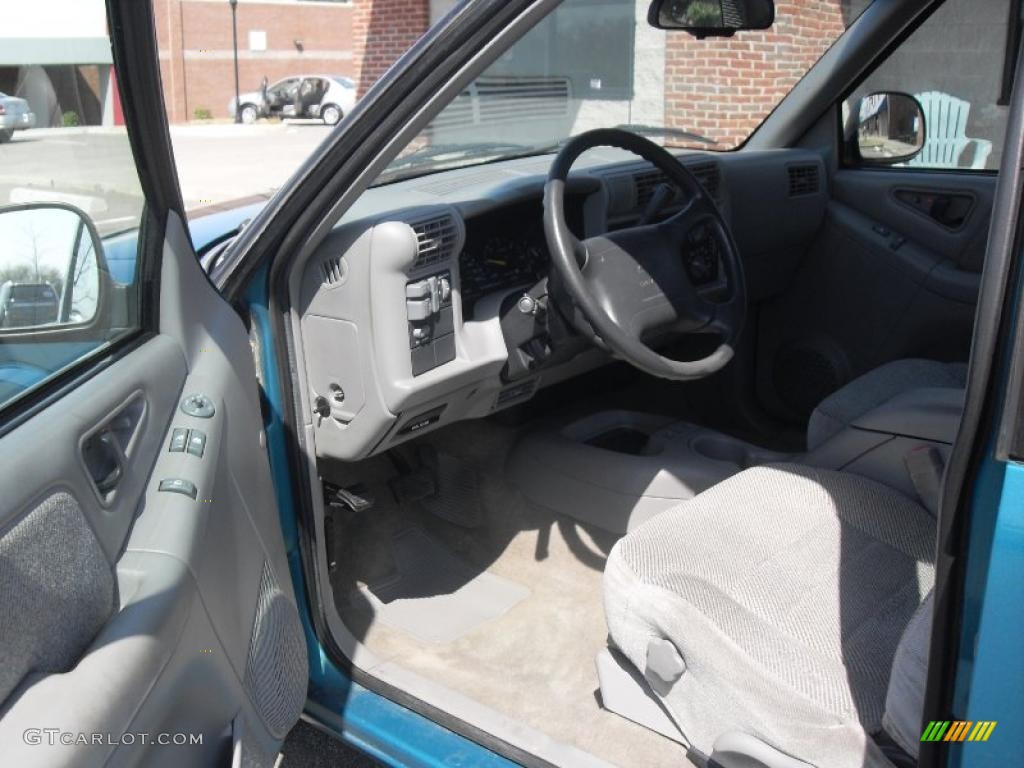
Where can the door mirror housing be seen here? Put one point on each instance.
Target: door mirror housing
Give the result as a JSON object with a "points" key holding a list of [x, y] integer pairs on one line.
{"points": [[890, 128], [52, 271], [711, 18]]}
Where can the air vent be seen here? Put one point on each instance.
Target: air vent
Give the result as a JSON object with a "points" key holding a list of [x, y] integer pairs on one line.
{"points": [[646, 183], [436, 238], [332, 270], [804, 180], [707, 174], [710, 177]]}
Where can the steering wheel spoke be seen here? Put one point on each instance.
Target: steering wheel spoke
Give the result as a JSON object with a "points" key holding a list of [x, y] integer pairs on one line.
{"points": [[682, 275]]}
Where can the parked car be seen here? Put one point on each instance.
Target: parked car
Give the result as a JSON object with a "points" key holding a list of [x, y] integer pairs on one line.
{"points": [[15, 115], [25, 305], [328, 97]]}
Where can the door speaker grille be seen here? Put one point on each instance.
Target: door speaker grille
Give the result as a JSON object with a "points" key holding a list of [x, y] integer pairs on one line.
{"points": [[803, 376], [277, 668]]}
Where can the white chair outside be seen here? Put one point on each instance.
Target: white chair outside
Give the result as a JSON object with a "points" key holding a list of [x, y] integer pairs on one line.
{"points": [[946, 140]]}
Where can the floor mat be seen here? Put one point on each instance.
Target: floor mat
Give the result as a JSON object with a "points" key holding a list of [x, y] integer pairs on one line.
{"points": [[309, 747], [458, 491], [533, 663], [434, 596]]}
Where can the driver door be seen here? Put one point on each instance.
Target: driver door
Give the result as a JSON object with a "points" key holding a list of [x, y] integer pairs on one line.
{"points": [[147, 615], [281, 97]]}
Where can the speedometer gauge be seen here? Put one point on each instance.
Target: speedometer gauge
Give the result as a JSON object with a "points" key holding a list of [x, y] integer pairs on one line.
{"points": [[499, 254], [504, 250]]}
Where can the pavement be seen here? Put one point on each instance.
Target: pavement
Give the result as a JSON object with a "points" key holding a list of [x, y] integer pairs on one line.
{"points": [[92, 167]]}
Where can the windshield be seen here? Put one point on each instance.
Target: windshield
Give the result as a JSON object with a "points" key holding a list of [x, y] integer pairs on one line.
{"points": [[247, 110], [599, 64]]}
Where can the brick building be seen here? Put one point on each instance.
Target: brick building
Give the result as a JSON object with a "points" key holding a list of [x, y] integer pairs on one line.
{"points": [[382, 31], [726, 87], [276, 38]]}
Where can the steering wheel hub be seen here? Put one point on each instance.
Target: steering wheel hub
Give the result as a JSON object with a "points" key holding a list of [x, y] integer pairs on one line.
{"points": [[682, 275]]}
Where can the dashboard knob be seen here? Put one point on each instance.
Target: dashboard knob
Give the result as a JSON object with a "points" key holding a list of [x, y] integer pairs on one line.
{"points": [[527, 304]]}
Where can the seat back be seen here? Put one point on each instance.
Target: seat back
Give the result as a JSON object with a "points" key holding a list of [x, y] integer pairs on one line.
{"points": [[945, 130]]}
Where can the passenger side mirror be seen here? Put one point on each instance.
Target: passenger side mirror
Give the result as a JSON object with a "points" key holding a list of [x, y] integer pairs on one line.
{"points": [[52, 272], [890, 128], [711, 18]]}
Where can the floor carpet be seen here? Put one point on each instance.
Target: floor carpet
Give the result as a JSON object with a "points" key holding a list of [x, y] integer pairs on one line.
{"points": [[309, 747], [532, 660]]}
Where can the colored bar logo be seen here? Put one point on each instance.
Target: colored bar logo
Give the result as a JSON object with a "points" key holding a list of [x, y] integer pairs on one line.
{"points": [[958, 730]]}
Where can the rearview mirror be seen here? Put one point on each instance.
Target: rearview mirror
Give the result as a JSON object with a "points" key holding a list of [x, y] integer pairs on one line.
{"points": [[50, 268], [711, 18], [890, 128]]}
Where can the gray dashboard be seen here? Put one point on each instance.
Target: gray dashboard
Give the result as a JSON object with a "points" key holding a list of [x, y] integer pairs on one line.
{"points": [[399, 307]]}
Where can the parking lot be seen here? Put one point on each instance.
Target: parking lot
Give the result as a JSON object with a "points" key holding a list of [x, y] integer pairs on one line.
{"points": [[90, 167]]}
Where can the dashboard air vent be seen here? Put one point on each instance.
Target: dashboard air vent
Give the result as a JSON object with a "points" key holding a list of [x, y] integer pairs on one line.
{"points": [[707, 174], [646, 183], [710, 177], [332, 270], [804, 180], [436, 240]]}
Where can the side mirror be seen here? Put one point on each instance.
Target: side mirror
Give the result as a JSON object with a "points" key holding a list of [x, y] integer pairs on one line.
{"points": [[711, 18], [52, 271], [890, 128]]}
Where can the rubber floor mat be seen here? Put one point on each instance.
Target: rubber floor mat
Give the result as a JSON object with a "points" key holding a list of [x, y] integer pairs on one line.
{"points": [[436, 597], [458, 491]]}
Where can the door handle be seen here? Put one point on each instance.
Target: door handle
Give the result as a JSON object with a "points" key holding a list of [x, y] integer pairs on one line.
{"points": [[103, 461], [950, 209]]}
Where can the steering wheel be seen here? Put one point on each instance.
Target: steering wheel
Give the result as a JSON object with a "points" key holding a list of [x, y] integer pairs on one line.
{"points": [[682, 275]]}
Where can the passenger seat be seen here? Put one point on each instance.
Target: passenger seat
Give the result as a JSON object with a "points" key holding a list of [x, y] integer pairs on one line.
{"points": [[840, 409]]}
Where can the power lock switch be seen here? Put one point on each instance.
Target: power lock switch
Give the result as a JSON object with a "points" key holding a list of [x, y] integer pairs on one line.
{"points": [[178, 485]]}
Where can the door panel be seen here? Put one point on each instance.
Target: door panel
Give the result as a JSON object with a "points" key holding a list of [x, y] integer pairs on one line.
{"points": [[140, 610], [883, 280], [880, 195]]}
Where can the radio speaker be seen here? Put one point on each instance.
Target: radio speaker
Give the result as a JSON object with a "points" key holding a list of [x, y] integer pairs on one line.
{"points": [[804, 374], [277, 669]]}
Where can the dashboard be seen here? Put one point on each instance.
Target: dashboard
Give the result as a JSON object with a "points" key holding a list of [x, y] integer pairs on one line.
{"points": [[411, 311], [506, 249]]}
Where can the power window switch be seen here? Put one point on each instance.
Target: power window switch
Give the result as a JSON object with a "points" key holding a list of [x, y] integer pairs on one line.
{"points": [[419, 290], [178, 485], [196, 443], [179, 439], [419, 309]]}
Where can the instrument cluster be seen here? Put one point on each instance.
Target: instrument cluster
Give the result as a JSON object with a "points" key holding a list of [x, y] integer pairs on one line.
{"points": [[506, 249]]}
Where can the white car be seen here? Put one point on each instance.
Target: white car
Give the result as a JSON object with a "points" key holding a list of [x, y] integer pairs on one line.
{"points": [[14, 116], [328, 97]]}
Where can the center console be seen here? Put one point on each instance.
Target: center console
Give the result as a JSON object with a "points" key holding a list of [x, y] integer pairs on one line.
{"points": [[617, 469]]}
